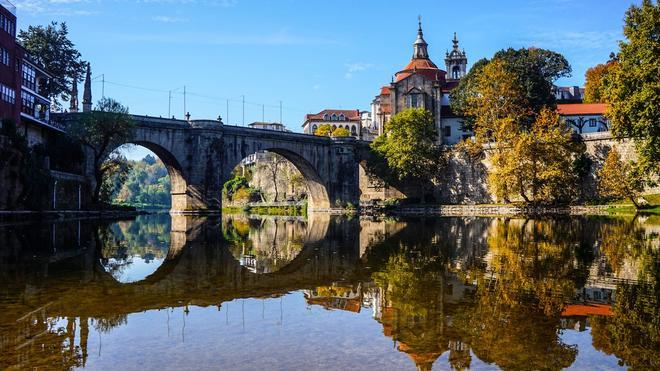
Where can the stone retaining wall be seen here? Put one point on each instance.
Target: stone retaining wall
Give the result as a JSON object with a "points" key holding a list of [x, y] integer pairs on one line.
{"points": [[465, 181], [500, 210]]}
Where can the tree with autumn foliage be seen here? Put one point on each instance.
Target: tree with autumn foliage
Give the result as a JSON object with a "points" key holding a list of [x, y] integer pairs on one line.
{"points": [[596, 78], [619, 179], [324, 130], [537, 164], [340, 132], [531, 160]]}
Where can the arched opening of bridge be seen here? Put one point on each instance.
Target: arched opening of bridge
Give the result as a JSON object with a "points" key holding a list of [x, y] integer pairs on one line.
{"points": [[279, 180], [143, 175]]}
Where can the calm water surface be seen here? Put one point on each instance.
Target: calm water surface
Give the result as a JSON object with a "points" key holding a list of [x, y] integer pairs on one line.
{"points": [[173, 292]]}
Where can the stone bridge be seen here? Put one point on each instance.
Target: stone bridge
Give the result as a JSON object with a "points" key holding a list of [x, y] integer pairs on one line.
{"points": [[201, 154]]}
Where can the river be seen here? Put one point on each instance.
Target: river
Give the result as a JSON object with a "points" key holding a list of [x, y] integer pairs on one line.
{"points": [[168, 292]]}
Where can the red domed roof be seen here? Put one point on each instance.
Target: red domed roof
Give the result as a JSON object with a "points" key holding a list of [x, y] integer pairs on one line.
{"points": [[421, 66]]}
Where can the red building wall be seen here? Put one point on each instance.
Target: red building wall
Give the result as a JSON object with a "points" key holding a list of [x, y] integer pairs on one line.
{"points": [[10, 75]]}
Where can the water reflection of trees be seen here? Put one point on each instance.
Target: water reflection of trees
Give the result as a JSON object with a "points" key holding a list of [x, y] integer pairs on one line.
{"points": [[264, 245], [633, 332], [510, 306], [146, 238]]}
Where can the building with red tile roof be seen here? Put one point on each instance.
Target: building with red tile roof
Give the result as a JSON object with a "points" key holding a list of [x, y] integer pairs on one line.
{"points": [[422, 84], [585, 118], [348, 119]]}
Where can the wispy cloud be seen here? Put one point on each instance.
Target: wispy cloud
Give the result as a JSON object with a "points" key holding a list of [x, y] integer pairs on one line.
{"points": [[168, 19], [573, 40], [281, 37], [220, 3], [353, 68], [54, 7]]}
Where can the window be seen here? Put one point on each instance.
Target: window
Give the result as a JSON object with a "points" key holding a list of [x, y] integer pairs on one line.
{"points": [[7, 25], [314, 129], [334, 117], [447, 131], [29, 76], [592, 123], [353, 130], [334, 127], [413, 100], [4, 56], [27, 103], [341, 117], [456, 72], [7, 94], [326, 117]]}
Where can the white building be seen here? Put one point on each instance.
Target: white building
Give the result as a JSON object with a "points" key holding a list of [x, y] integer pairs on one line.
{"points": [[350, 120], [584, 117]]}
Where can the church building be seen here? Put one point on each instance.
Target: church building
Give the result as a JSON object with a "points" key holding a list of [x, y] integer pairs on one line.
{"points": [[421, 84]]}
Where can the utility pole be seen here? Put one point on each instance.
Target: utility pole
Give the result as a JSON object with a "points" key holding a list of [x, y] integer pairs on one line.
{"points": [[227, 116], [280, 112], [169, 104], [103, 85], [243, 97], [184, 101], [263, 110]]}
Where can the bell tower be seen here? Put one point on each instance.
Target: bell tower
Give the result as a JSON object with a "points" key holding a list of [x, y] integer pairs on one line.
{"points": [[456, 61]]}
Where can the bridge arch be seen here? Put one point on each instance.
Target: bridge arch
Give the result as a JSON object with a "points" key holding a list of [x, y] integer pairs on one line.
{"points": [[175, 171], [317, 191]]}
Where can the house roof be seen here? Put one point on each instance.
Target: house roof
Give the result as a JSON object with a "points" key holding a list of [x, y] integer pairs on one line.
{"points": [[385, 90], [350, 115], [581, 109]]}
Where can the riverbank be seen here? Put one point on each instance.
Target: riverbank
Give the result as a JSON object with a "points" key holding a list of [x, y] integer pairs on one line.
{"points": [[26, 215]]}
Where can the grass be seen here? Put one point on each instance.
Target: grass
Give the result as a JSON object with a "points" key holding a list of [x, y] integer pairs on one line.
{"points": [[626, 207], [267, 210]]}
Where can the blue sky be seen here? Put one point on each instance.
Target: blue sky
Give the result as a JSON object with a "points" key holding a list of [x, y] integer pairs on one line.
{"points": [[308, 54]]}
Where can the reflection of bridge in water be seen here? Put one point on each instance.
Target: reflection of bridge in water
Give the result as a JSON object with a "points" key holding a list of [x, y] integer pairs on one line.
{"points": [[199, 269]]}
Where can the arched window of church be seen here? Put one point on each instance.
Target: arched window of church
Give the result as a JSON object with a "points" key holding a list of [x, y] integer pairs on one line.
{"points": [[334, 117], [456, 72], [414, 101], [326, 117], [341, 117]]}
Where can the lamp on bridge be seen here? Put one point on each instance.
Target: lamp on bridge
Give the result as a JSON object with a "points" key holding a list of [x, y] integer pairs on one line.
{"points": [[220, 119], [188, 116]]}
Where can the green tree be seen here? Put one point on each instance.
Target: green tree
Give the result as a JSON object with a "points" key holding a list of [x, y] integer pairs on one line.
{"points": [[340, 132], [633, 87], [533, 72], [115, 172], [50, 47], [408, 146], [618, 179], [324, 130], [101, 131]]}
